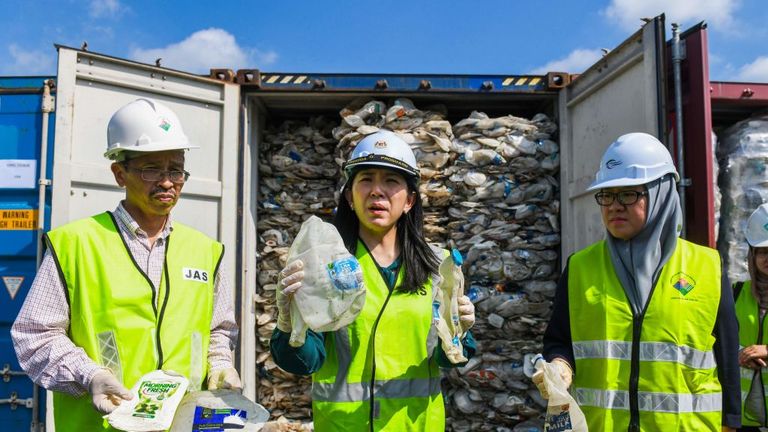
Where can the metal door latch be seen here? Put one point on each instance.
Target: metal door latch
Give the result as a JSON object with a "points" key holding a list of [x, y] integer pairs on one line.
{"points": [[15, 401], [8, 373]]}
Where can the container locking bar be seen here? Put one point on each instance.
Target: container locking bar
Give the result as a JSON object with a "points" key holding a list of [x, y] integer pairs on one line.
{"points": [[14, 401]]}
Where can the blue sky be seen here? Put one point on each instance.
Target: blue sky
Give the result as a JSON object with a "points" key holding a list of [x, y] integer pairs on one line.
{"points": [[461, 37]]}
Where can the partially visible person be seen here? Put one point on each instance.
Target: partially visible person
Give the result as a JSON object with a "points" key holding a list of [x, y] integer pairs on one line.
{"points": [[126, 292], [751, 306], [382, 372], [643, 326]]}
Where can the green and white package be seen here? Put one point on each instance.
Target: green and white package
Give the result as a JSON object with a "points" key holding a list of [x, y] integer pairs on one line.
{"points": [[155, 399]]}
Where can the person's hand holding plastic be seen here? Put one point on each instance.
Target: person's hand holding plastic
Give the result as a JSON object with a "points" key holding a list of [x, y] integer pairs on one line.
{"points": [[566, 374], [753, 356], [107, 392], [466, 314], [290, 281], [226, 378]]}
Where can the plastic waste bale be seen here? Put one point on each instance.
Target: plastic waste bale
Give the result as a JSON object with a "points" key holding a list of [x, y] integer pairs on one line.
{"points": [[332, 292], [743, 159], [156, 396], [218, 410], [563, 413]]}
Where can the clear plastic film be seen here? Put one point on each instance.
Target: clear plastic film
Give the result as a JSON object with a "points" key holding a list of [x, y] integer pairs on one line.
{"points": [[563, 413], [332, 292]]}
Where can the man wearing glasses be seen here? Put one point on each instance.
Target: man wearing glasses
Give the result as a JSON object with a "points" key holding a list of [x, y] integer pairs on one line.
{"points": [[126, 292], [643, 325]]}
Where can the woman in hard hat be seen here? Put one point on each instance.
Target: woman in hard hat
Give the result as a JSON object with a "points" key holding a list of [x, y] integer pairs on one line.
{"points": [[751, 305], [643, 327], [382, 371]]}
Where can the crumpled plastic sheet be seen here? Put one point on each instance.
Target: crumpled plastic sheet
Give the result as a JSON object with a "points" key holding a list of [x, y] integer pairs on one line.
{"points": [[490, 189], [743, 159]]}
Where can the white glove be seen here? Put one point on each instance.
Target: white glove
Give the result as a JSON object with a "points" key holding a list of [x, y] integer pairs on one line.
{"points": [[466, 314], [566, 374], [227, 378], [107, 392], [290, 281]]}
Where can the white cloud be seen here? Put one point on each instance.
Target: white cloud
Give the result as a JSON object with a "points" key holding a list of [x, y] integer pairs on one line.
{"points": [[206, 49], [757, 71], [105, 8], [29, 62], [717, 12], [576, 62]]}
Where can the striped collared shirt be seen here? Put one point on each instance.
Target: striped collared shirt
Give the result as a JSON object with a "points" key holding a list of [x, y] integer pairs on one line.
{"points": [[39, 333]]}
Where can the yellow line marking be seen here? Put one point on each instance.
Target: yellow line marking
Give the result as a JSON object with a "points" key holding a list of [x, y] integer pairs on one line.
{"points": [[508, 81], [534, 81], [521, 81], [272, 79], [286, 79], [300, 79]]}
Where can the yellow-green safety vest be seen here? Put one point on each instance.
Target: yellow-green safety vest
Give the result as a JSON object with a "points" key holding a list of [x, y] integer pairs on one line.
{"points": [[380, 373], [748, 315], [656, 371], [121, 320]]}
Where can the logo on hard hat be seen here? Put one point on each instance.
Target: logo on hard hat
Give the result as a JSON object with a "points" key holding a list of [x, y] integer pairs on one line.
{"points": [[613, 163], [683, 283], [164, 124], [380, 144]]}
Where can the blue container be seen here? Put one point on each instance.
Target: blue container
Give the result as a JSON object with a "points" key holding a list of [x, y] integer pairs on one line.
{"points": [[21, 130]]}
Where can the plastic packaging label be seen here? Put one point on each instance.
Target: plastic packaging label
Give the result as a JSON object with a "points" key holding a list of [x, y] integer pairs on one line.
{"points": [[156, 396], [345, 274], [218, 419]]}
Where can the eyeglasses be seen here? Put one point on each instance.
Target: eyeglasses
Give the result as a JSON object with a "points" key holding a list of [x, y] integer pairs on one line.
{"points": [[155, 175], [625, 198]]}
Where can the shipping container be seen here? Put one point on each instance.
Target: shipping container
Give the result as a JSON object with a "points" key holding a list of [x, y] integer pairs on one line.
{"points": [[226, 113], [26, 142]]}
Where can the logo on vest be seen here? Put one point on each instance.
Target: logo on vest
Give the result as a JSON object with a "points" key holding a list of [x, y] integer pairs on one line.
{"points": [[194, 274], [683, 283]]}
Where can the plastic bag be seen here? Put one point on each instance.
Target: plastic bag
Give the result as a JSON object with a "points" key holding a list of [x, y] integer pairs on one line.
{"points": [[445, 307], [155, 399], [563, 413], [218, 409], [332, 292]]}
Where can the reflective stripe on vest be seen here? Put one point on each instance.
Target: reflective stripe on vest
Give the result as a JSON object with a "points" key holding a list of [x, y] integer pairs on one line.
{"points": [[655, 402], [343, 387], [649, 351], [121, 316], [342, 391], [748, 316], [676, 376]]}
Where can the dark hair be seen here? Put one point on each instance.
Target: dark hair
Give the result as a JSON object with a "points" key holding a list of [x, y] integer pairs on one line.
{"points": [[417, 256]]}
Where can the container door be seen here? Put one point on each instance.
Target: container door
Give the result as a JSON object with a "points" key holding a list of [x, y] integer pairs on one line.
{"points": [[623, 92], [26, 136], [92, 87]]}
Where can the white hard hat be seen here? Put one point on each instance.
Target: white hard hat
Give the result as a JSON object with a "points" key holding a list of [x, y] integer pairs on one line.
{"points": [[144, 125], [383, 149], [633, 159], [757, 227]]}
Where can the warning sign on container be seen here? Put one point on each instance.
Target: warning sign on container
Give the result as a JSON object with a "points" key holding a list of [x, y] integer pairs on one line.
{"points": [[12, 284], [21, 219]]}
